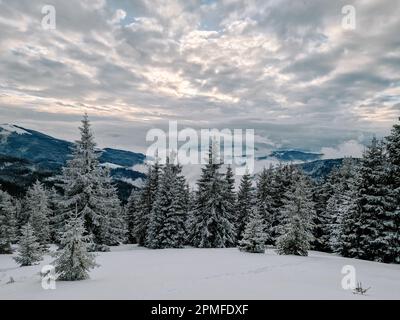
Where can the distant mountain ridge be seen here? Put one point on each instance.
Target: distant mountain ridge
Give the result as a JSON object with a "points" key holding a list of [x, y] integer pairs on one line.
{"points": [[27, 155]]}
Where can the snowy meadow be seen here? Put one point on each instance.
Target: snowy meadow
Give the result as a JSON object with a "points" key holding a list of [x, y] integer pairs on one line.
{"points": [[131, 272]]}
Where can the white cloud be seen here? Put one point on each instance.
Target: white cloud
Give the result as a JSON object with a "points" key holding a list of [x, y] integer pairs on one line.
{"points": [[351, 148]]}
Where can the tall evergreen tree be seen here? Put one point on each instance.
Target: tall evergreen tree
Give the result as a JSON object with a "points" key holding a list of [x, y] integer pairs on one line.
{"points": [[87, 186], [29, 249], [264, 202], [210, 225], [7, 222], [392, 214], [131, 215], [79, 182], [73, 261], [342, 202], [297, 225], [370, 226], [166, 227], [322, 192], [281, 184], [112, 223], [245, 204], [230, 206], [254, 234], [38, 207], [146, 201]]}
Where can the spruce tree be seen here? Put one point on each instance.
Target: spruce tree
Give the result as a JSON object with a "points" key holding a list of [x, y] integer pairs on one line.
{"points": [[87, 186], [298, 213], [342, 203], [392, 213], [38, 207], [146, 201], [166, 227], [230, 207], [245, 204], [79, 182], [264, 202], [73, 261], [210, 224], [372, 219], [254, 234], [29, 249], [131, 215], [112, 223], [281, 183], [7, 222]]}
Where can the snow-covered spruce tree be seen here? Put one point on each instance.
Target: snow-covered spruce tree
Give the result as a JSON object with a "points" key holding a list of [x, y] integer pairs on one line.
{"points": [[322, 192], [210, 225], [342, 201], [73, 261], [392, 214], [280, 185], [79, 181], [112, 223], [131, 215], [370, 225], [29, 249], [84, 183], [7, 222], [264, 201], [37, 204], [297, 214], [254, 234], [245, 203], [166, 228], [230, 207], [146, 201], [350, 227]]}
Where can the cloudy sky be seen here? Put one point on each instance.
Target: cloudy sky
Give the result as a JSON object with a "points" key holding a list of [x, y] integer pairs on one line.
{"points": [[287, 69]]}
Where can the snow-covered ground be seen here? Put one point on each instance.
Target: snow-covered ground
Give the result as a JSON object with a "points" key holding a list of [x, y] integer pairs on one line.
{"points": [[129, 272]]}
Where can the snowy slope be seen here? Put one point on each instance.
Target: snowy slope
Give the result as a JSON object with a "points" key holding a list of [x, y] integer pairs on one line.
{"points": [[129, 272]]}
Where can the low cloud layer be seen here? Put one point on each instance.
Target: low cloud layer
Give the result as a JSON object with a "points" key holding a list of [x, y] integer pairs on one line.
{"points": [[288, 69]]}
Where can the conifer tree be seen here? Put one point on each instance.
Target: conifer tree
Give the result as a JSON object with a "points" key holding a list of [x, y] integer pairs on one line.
{"points": [[325, 203], [392, 214], [87, 186], [29, 249], [79, 182], [73, 261], [343, 202], [112, 223], [146, 201], [230, 207], [254, 235], [210, 225], [38, 207], [7, 222], [371, 224], [245, 204], [166, 227], [297, 225], [264, 202], [131, 215]]}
